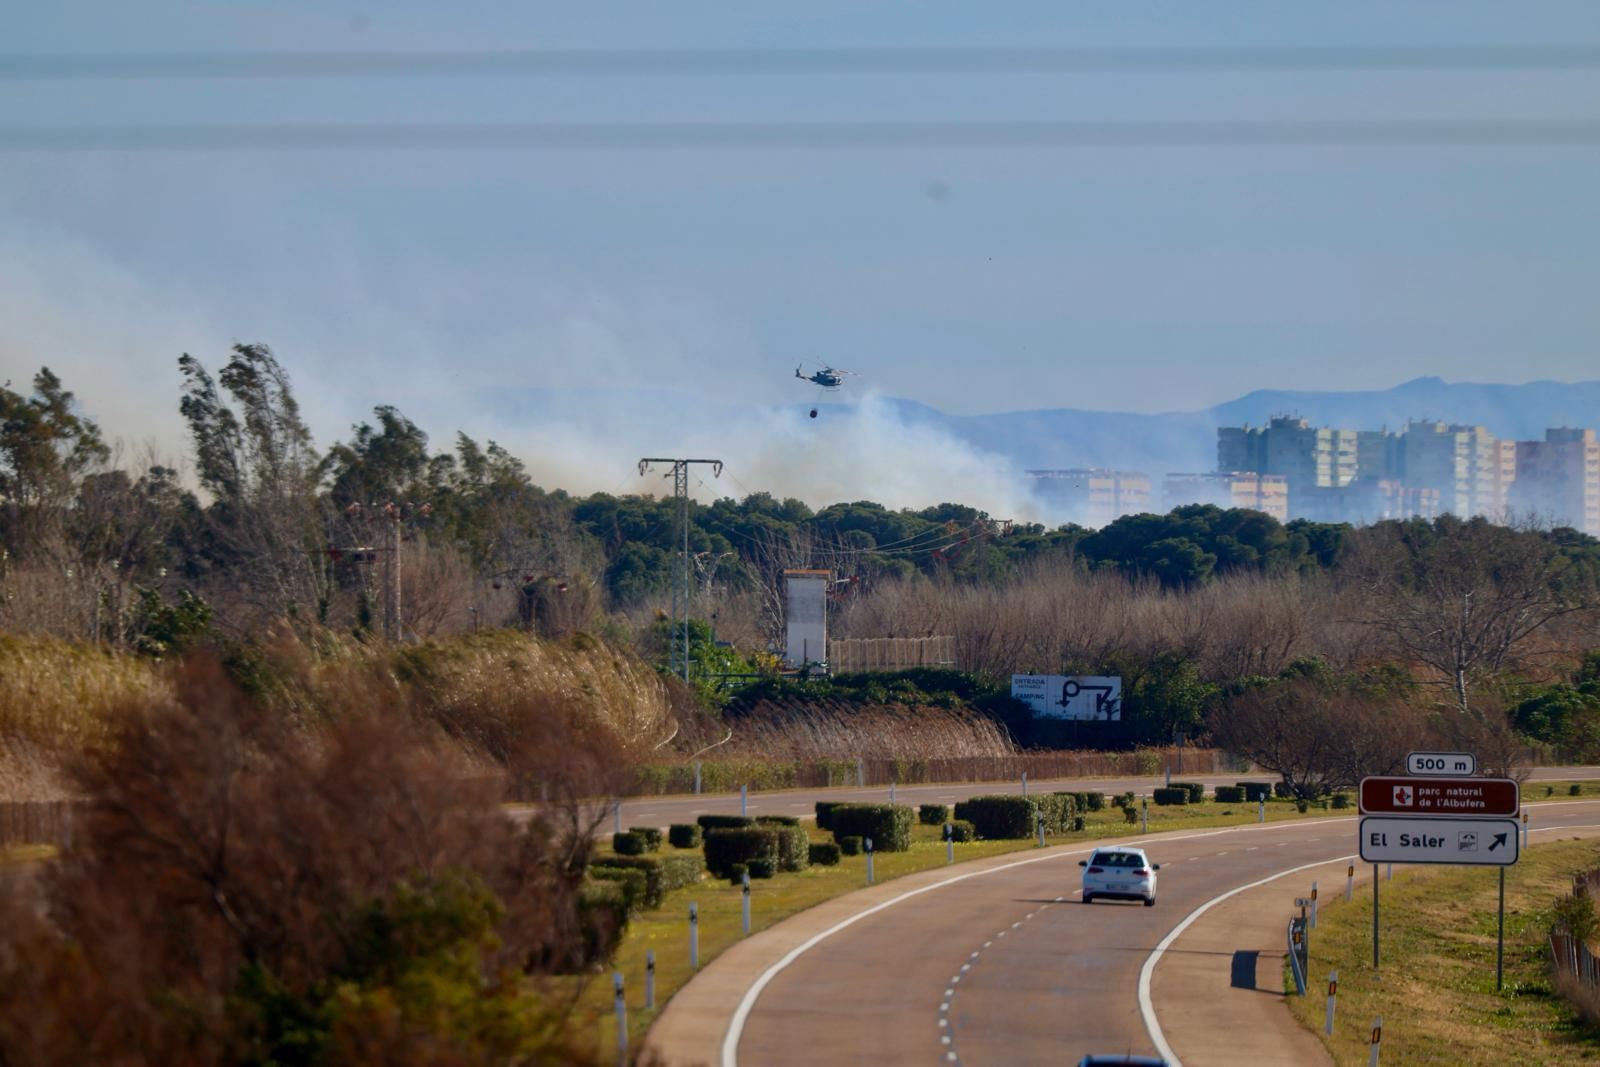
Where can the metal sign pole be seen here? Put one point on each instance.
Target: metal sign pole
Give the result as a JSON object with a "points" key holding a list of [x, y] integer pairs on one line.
{"points": [[1375, 917], [1500, 941]]}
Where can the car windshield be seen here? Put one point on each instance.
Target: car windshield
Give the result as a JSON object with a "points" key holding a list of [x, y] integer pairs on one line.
{"points": [[1119, 859]]}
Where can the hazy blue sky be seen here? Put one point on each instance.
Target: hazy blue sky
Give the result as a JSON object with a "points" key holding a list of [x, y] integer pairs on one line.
{"points": [[973, 280]]}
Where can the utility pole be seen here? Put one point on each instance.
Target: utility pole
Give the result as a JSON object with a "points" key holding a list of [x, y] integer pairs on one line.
{"points": [[681, 587], [391, 573]]}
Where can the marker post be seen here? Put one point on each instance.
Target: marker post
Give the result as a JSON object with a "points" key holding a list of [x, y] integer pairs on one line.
{"points": [[694, 937], [1333, 995], [868, 843]]}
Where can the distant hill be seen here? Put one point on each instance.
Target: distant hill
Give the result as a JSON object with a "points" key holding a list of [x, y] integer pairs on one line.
{"points": [[1186, 441]]}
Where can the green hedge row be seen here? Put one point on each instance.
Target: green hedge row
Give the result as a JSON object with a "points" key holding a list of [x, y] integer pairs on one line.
{"points": [[662, 873], [1196, 791], [888, 825], [933, 814], [824, 853], [1255, 792], [1175, 795], [724, 822], [1230, 794], [850, 846], [825, 813], [684, 835], [635, 883], [628, 843], [725, 846], [962, 830]]}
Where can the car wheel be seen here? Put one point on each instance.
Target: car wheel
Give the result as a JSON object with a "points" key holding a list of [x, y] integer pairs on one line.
{"points": [[1088, 898], [1149, 902]]}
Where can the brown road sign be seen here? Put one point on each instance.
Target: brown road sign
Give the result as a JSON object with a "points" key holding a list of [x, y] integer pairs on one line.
{"points": [[1439, 796]]}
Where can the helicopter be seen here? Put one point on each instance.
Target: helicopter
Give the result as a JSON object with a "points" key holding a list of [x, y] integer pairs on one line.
{"points": [[829, 378]]}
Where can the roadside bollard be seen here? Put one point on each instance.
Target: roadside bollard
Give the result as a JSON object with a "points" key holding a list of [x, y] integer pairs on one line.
{"points": [[650, 979], [694, 938], [868, 843], [747, 903], [1261, 811], [616, 813], [1377, 1040], [1144, 827], [949, 843], [1169, 777], [1333, 994], [861, 774], [1524, 831], [891, 794], [1349, 882], [1038, 822], [1024, 783], [696, 777], [744, 800], [622, 1019], [1389, 877], [1313, 905]]}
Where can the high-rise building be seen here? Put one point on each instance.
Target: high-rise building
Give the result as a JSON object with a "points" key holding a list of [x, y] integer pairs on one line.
{"points": [[1094, 497], [1558, 479], [1467, 464], [1380, 454], [1267, 493]]}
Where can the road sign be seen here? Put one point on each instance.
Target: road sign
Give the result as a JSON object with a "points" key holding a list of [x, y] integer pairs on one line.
{"points": [[1474, 842], [1449, 764], [1439, 796]]}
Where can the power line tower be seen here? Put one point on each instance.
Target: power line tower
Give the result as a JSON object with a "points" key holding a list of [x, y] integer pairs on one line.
{"points": [[682, 589]]}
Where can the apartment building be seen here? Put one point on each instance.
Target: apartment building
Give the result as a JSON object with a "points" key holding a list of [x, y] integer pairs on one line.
{"points": [[1558, 479], [1467, 464], [1268, 493], [1092, 496]]}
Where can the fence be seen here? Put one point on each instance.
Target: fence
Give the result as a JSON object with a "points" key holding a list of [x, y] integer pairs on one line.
{"points": [[1572, 958], [854, 654], [37, 822]]}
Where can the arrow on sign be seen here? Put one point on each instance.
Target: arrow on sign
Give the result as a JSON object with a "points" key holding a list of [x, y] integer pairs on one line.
{"points": [[1499, 839]]}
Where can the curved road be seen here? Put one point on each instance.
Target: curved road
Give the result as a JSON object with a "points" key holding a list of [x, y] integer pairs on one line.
{"points": [[1006, 966]]}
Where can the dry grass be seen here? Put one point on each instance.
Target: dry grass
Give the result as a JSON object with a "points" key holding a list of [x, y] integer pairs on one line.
{"points": [[831, 730]]}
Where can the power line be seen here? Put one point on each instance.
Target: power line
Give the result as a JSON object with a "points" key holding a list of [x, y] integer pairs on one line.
{"points": [[703, 62], [830, 136]]}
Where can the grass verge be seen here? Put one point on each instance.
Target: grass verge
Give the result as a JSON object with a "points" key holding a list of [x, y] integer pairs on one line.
{"points": [[1436, 984]]}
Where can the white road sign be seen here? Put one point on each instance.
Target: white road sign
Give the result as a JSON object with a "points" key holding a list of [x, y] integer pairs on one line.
{"points": [[1439, 839], [1448, 764], [1055, 696]]}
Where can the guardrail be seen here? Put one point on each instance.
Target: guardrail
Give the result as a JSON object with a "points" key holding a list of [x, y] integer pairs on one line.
{"points": [[1296, 938]]}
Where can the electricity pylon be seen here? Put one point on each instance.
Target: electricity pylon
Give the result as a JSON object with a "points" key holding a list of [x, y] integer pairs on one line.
{"points": [[681, 587]]}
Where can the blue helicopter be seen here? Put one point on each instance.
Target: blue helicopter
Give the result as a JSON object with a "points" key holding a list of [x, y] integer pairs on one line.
{"points": [[829, 378]]}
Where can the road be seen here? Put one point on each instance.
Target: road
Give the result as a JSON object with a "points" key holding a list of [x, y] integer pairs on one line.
{"points": [[1006, 966], [663, 811]]}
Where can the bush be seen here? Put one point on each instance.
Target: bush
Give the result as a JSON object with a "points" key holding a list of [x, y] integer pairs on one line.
{"points": [[1078, 823], [1095, 802], [850, 846], [1255, 792], [1577, 914], [1056, 810], [726, 846], [933, 814], [724, 822], [794, 848], [1126, 800], [737, 871], [777, 820], [1196, 791], [962, 830], [1175, 795], [889, 826], [1301, 805], [1341, 800], [1230, 794], [602, 913], [627, 843], [651, 836], [1549, 790], [761, 868], [634, 883], [1575, 789], [663, 874], [823, 854], [1280, 789], [998, 816], [1130, 814], [684, 835], [825, 813]]}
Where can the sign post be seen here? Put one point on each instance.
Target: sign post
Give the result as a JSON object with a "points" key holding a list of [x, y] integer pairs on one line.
{"points": [[1450, 764]]}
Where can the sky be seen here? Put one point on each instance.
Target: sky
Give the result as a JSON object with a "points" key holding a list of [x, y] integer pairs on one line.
{"points": [[589, 306]]}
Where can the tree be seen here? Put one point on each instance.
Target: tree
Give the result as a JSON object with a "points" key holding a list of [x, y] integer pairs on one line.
{"points": [[46, 449]]}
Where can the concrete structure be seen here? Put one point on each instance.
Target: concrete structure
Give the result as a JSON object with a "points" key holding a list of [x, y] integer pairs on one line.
{"points": [[1558, 479], [1465, 463], [1092, 496], [806, 615], [1268, 493], [1308, 457], [1369, 500]]}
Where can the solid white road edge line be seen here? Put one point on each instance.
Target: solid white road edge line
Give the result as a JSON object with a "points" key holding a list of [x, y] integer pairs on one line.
{"points": [[747, 1003], [1146, 1007]]}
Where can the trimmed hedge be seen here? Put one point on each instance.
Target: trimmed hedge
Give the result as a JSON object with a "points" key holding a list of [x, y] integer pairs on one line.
{"points": [[794, 848], [889, 826], [684, 835], [724, 822], [1096, 802], [651, 835], [850, 845], [628, 843], [998, 816], [762, 868], [1341, 800], [933, 814], [1280, 789], [1230, 794], [825, 813], [634, 882], [1126, 800], [823, 853], [1254, 792], [737, 871], [1175, 795], [662, 873], [602, 916], [726, 846], [962, 830], [777, 820], [1058, 810], [1197, 791]]}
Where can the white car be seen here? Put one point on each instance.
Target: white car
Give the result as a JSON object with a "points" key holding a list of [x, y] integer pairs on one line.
{"points": [[1119, 874]]}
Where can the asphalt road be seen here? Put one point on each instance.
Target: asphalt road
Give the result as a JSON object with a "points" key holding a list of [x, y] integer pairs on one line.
{"points": [[665, 810], [1009, 967]]}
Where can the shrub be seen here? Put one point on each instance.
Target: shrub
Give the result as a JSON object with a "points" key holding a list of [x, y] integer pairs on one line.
{"points": [[1078, 823], [1280, 789], [739, 844], [662, 873], [824, 853], [1196, 791], [998, 816], [1549, 790], [1175, 795], [1125, 800], [1095, 802], [1230, 794], [724, 822], [889, 826], [794, 848], [1057, 810], [1301, 805], [634, 883], [602, 913], [1130, 814], [737, 871], [627, 843], [761, 868], [684, 835], [651, 836], [1577, 913], [962, 830], [850, 845], [1575, 789], [933, 814], [1254, 792], [777, 820], [1341, 800], [825, 813]]}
